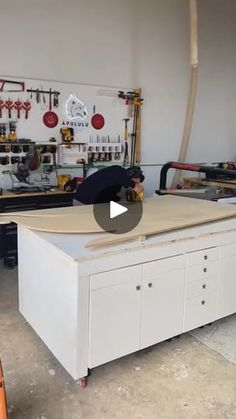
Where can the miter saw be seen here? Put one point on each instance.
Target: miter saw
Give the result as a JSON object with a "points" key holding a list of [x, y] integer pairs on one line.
{"points": [[21, 171]]}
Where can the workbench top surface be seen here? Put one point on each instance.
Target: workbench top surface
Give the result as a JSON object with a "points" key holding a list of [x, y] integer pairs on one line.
{"points": [[74, 245], [165, 219]]}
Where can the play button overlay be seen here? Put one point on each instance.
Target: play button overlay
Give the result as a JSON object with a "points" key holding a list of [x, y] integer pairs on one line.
{"points": [[116, 209], [118, 218]]}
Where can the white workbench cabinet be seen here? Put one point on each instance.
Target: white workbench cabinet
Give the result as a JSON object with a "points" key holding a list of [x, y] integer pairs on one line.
{"points": [[115, 308], [227, 281], [91, 306], [135, 307], [162, 300]]}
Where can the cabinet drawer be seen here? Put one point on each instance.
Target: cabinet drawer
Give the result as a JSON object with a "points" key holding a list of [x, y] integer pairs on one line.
{"points": [[201, 288], [201, 271], [200, 311], [118, 276], [195, 258], [152, 269]]}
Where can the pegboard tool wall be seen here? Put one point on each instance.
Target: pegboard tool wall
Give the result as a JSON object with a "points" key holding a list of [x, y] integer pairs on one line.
{"points": [[97, 100]]}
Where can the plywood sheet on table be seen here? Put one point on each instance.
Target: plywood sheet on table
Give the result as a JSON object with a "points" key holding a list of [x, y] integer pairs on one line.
{"points": [[160, 215], [77, 219], [169, 213]]}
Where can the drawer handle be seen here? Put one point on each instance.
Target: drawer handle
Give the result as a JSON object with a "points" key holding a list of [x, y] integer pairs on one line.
{"points": [[205, 257], [203, 302], [204, 286], [205, 270], [150, 284], [138, 288]]}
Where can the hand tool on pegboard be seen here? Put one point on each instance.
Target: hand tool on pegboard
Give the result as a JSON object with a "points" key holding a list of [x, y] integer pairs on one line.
{"points": [[97, 121], [44, 105], [126, 135], [2, 105], [18, 105], [136, 134], [133, 138], [49, 92], [4, 83], [55, 99], [67, 134], [3, 130], [50, 118], [37, 96], [9, 105], [134, 100], [12, 134], [26, 107]]}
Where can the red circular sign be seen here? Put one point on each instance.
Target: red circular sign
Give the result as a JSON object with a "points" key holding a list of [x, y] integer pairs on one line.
{"points": [[50, 119], [97, 121]]}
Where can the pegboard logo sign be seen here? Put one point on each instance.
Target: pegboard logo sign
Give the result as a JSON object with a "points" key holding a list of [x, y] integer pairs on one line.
{"points": [[75, 109]]}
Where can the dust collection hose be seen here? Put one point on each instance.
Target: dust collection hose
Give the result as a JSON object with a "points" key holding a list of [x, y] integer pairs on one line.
{"points": [[209, 170]]}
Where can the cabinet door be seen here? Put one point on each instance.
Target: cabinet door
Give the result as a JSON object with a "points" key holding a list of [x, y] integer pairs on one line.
{"points": [[227, 281], [163, 302], [115, 314]]}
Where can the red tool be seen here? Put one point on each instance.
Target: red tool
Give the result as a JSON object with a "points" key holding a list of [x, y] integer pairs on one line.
{"points": [[26, 106], [97, 121], [3, 82], [2, 105], [9, 105], [50, 118], [18, 105]]}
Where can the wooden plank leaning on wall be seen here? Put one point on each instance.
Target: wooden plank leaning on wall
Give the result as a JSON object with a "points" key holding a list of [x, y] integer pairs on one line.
{"points": [[194, 63]]}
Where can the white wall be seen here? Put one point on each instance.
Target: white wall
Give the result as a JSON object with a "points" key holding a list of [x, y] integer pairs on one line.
{"points": [[128, 42], [162, 69], [214, 128], [85, 41]]}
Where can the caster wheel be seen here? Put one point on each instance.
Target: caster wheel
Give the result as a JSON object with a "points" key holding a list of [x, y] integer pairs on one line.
{"points": [[9, 262], [83, 382]]}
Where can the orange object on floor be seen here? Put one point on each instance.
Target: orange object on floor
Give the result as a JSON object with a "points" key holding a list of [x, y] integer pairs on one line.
{"points": [[3, 401]]}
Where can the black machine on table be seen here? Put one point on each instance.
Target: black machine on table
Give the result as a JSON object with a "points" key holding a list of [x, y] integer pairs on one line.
{"points": [[212, 173]]}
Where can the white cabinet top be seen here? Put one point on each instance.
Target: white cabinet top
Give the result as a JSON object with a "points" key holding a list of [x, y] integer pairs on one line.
{"points": [[73, 245]]}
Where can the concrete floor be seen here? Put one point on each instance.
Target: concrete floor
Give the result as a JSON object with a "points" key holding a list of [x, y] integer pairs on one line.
{"points": [[182, 379]]}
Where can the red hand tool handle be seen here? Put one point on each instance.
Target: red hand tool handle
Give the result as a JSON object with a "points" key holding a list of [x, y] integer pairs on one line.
{"points": [[9, 104]]}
